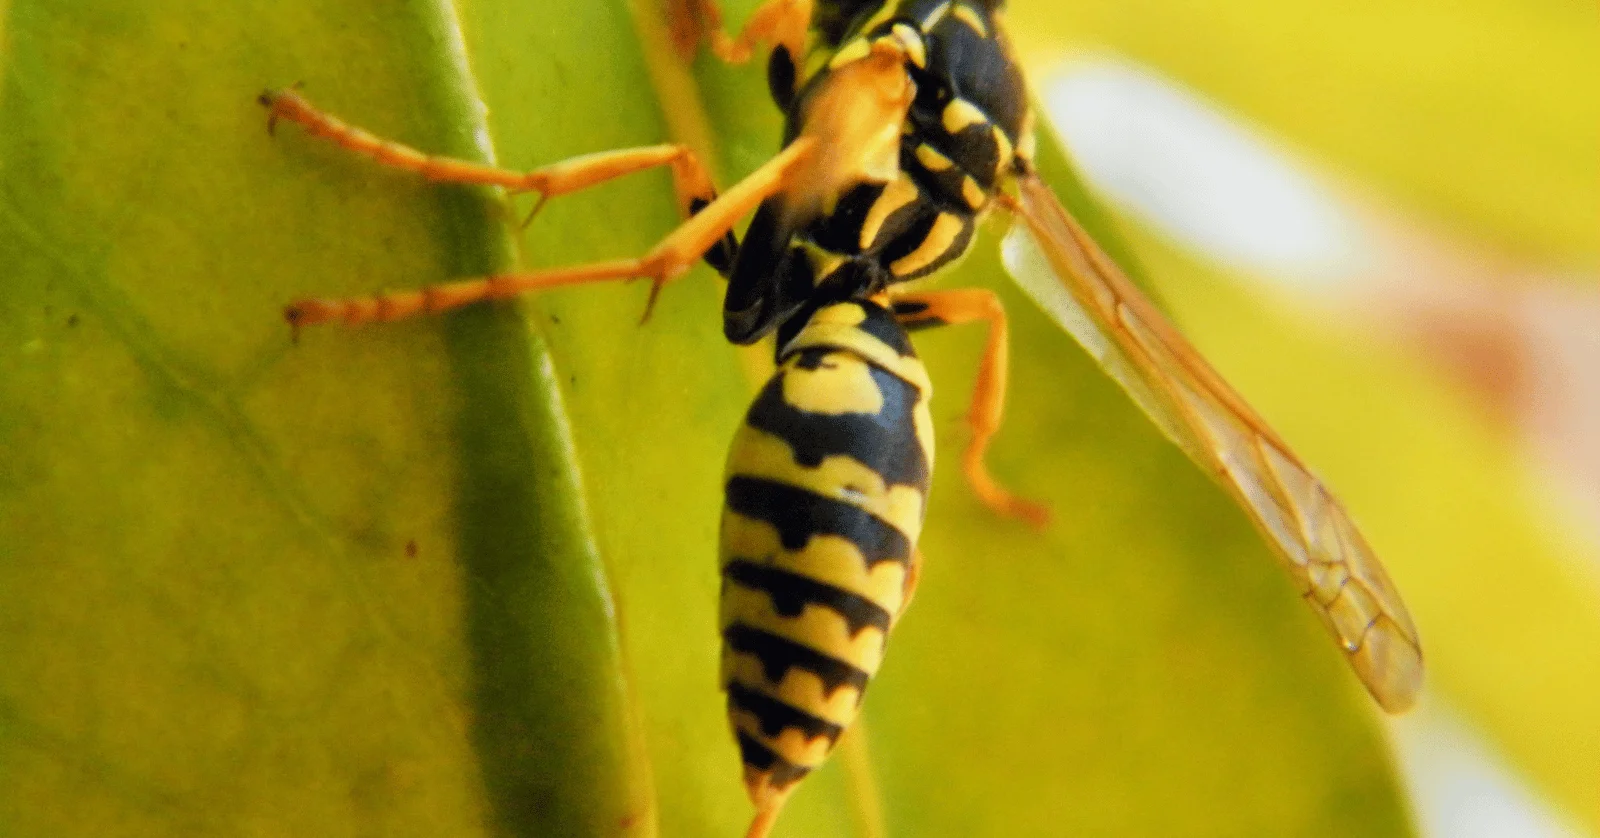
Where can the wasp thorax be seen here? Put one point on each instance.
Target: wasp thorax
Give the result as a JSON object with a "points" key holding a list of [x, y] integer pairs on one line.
{"points": [[856, 114]]}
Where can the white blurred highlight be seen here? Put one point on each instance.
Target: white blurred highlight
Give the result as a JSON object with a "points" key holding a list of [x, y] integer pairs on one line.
{"points": [[1461, 789], [1195, 175]]}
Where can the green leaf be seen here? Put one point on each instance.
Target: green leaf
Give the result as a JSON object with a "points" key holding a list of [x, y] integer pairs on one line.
{"points": [[213, 620], [212, 615]]}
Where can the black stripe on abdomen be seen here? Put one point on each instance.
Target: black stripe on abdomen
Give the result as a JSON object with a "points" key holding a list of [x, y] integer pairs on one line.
{"points": [[799, 514], [760, 757], [779, 654], [775, 716], [885, 442], [790, 593]]}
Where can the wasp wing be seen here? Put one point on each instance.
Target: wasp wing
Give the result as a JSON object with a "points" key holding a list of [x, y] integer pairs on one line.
{"points": [[1059, 265]]}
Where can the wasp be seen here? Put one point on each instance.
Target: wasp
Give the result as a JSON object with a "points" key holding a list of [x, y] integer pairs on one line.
{"points": [[907, 122]]}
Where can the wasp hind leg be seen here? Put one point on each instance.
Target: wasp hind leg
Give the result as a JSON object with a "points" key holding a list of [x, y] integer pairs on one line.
{"points": [[944, 308]]}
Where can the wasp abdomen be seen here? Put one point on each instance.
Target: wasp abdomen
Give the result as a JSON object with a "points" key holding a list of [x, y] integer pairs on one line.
{"points": [[827, 481]]}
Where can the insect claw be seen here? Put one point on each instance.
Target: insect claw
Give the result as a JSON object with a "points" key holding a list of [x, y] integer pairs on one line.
{"points": [[650, 305], [539, 205], [295, 318], [268, 100]]}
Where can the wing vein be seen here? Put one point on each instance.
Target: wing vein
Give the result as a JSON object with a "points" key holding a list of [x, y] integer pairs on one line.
{"points": [[1054, 259]]}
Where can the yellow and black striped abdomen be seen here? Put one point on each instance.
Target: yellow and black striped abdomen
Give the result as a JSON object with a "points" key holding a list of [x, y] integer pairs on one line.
{"points": [[826, 485]]}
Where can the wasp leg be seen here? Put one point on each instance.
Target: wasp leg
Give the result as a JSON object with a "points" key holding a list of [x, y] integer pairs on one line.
{"points": [[941, 308], [779, 22], [689, 177], [908, 588], [761, 825], [668, 260]]}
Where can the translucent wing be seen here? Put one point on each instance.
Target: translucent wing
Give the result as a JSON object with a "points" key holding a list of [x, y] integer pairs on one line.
{"points": [[1056, 262]]}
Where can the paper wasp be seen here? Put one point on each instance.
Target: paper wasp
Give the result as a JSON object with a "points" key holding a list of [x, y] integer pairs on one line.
{"points": [[907, 122]]}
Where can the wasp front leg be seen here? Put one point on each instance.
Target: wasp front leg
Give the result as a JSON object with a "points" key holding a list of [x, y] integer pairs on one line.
{"points": [[945, 308], [707, 234], [690, 179], [707, 229]]}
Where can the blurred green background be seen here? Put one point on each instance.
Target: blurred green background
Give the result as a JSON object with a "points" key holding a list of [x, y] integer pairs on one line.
{"points": [[457, 575]]}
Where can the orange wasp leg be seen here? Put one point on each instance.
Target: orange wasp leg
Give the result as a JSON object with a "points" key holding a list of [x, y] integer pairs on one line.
{"points": [[779, 22], [761, 826], [667, 261], [939, 308], [689, 178], [908, 588]]}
